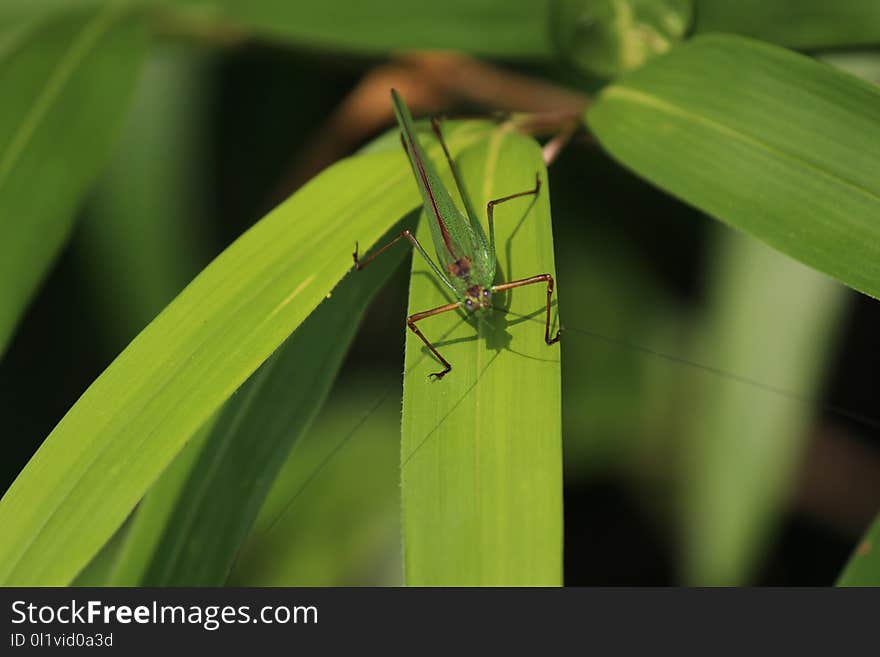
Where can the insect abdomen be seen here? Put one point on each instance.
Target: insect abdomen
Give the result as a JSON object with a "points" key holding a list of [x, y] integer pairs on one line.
{"points": [[461, 268]]}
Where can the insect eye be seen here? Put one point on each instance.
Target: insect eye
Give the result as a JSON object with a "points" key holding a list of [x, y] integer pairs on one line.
{"points": [[469, 303], [485, 293]]}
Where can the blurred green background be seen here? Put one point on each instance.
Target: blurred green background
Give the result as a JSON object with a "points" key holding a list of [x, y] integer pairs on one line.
{"points": [[710, 383]]}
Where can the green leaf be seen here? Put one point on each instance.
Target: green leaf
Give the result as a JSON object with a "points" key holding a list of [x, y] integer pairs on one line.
{"points": [[773, 320], [65, 85], [253, 436], [152, 515], [332, 517], [131, 422], [863, 567], [773, 143], [99, 569], [794, 23], [481, 461], [516, 28]]}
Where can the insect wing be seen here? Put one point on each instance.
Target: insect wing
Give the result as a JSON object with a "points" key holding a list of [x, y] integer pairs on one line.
{"points": [[447, 221]]}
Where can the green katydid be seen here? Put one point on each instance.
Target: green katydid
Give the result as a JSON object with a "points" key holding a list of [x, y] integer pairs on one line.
{"points": [[467, 257]]}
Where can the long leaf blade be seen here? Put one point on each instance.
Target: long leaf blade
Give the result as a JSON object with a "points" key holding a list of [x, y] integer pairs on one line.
{"points": [[482, 27], [254, 435], [332, 517], [768, 141], [145, 531], [481, 461]]}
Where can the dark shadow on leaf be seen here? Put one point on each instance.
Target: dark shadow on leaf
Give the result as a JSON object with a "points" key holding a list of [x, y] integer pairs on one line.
{"points": [[508, 245]]}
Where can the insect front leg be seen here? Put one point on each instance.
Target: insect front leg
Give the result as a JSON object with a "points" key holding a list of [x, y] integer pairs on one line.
{"points": [[531, 280], [360, 264], [411, 322]]}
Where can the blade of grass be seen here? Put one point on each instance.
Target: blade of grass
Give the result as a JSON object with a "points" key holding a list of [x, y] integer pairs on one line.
{"points": [[332, 517], [481, 460], [112, 445], [863, 567], [65, 85], [153, 520], [99, 570], [516, 28], [774, 318], [771, 142], [152, 515], [254, 435]]}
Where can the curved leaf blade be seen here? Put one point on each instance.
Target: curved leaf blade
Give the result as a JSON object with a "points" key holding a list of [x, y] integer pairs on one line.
{"points": [[254, 435], [131, 422], [145, 531], [332, 517], [65, 86], [770, 142], [481, 459], [517, 28]]}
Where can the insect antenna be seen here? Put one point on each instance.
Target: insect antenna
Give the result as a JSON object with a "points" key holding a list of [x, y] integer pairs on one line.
{"points": [[869, 422], [866, 421]]}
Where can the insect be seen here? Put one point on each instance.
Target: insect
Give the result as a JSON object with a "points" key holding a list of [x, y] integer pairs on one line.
{"points": [[467, 257]]}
